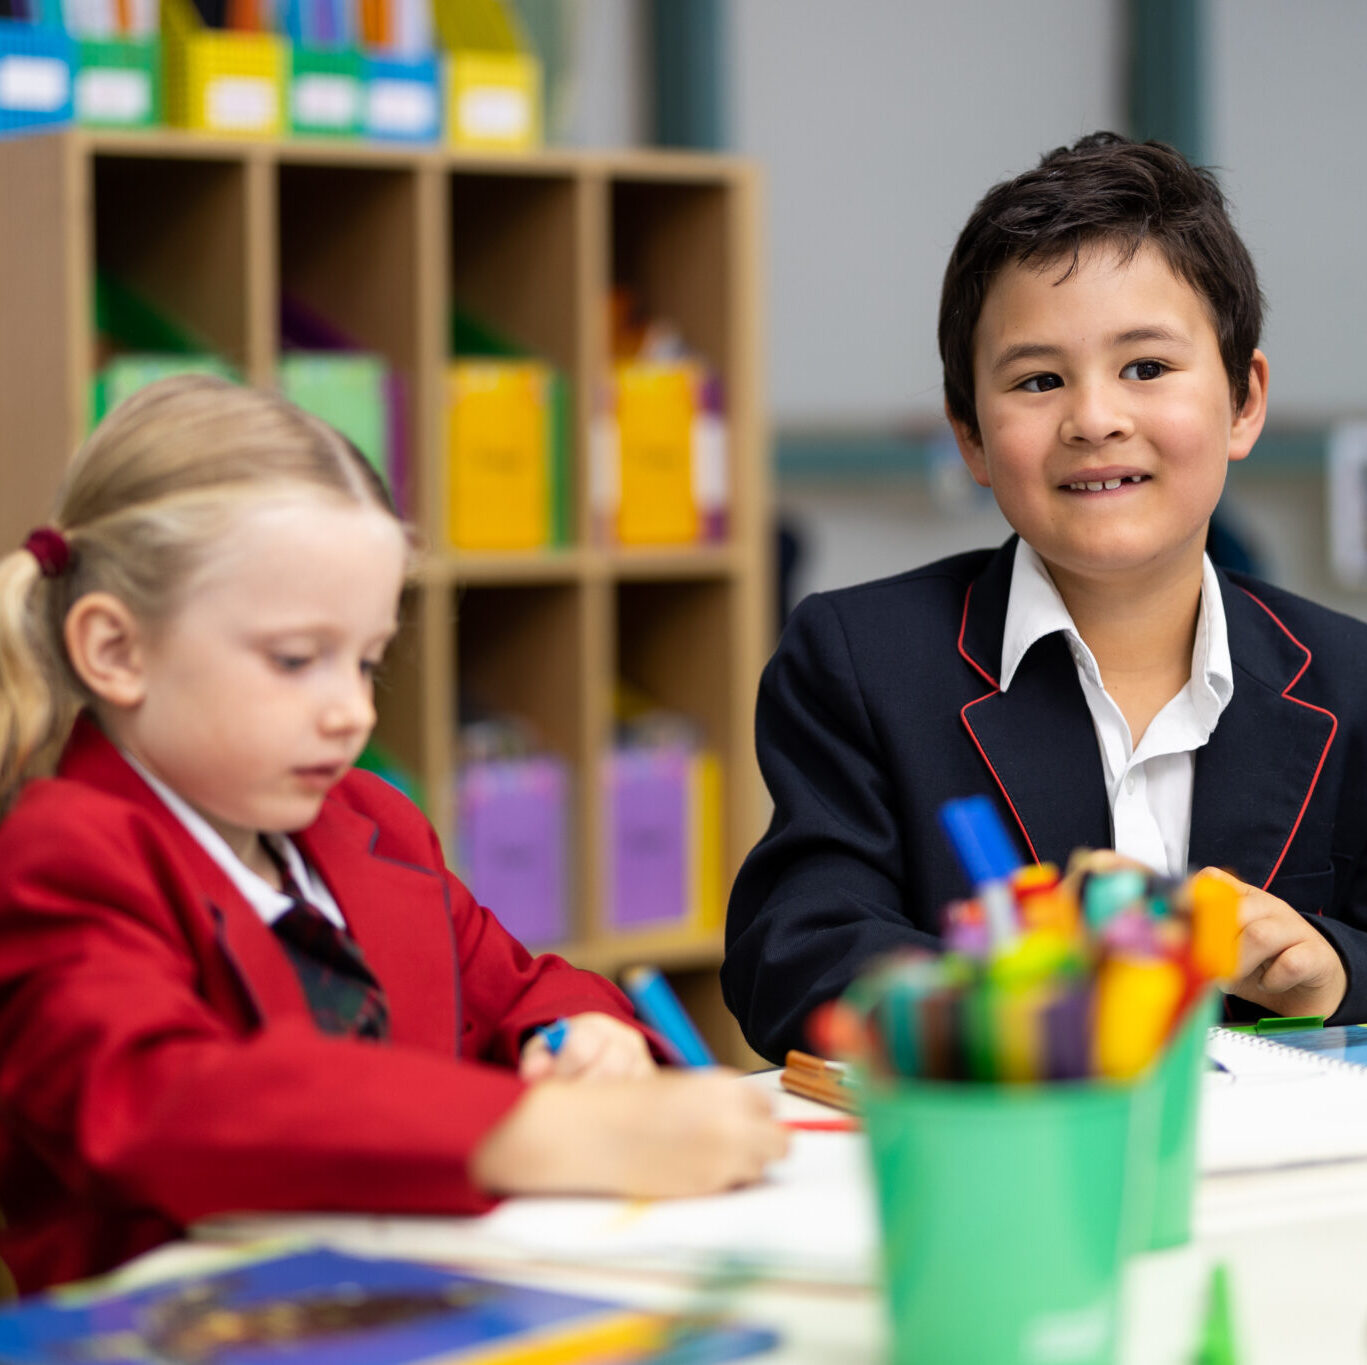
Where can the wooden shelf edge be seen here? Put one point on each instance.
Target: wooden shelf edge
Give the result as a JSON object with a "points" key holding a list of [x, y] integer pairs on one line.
{"points": [[668, 949], [447, 568], [638, 164]]}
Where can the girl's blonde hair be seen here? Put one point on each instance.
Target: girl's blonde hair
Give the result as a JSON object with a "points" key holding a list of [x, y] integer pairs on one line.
{"points": [[150, 496]]}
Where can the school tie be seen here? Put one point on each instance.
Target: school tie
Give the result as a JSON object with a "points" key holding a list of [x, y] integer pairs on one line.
{"points": [[343, 995]]}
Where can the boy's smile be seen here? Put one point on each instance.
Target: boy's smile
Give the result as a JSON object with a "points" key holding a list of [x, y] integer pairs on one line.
{"points": [[1106, 421]]}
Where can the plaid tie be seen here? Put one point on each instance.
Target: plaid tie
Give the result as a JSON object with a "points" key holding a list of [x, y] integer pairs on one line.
{"points": [[344, 997]]}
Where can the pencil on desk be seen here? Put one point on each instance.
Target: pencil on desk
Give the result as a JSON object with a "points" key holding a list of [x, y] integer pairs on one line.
{"points": [[816, 1079]]}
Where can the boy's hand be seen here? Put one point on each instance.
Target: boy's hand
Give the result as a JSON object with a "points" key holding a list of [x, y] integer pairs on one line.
{"points": [[676, 1133], [1285, 964], [596, 1047]]}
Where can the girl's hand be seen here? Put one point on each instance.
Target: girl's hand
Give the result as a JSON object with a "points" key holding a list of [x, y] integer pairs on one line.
{"points": [[675, 1133], [596, 1047], [1285, 964]]}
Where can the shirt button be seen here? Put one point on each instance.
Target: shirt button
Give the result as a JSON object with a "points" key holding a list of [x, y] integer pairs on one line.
{"points": [[1130, 783]]}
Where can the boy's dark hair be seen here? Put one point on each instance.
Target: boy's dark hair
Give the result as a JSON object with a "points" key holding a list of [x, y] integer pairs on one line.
{"points": [[1104, 188]]}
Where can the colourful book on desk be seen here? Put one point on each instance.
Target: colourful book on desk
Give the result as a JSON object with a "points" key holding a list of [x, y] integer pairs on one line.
{"points": [[319, 1307]]}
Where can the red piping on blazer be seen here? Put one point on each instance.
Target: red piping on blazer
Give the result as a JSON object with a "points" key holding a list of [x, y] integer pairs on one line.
{"points": [[1333, 720], [1300, 672], [963, 716]]}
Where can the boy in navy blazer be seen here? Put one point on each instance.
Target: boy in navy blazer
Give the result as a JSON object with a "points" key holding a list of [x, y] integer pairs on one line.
{"points": [[1096, 675]]}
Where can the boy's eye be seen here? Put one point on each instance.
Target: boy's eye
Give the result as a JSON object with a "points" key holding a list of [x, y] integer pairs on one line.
{"points": [[1041, 383], [370, 667], [1144, 369]]}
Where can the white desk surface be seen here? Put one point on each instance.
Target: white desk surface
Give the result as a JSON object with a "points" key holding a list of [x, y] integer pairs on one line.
{"points": [[1294, 1242]]}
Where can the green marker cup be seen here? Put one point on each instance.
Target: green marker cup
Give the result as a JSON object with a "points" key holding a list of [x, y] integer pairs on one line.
{"points": [[1006, 1214], [1166, 1169]]}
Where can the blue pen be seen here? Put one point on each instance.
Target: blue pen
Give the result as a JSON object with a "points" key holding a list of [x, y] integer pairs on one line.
{"points": [[554, 1035], [988, 857], [659, 1007]]}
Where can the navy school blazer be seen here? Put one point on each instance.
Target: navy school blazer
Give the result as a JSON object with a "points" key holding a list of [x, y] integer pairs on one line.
{"points": [[881, 702]]}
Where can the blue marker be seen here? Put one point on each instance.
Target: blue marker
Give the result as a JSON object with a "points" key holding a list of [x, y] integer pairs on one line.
{"points": [[659, 1007], [988, 857], [554, 1035]]}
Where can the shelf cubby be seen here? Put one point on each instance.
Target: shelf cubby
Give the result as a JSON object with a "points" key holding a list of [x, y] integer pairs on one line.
{"points": [[175, 231], [384, 243]]}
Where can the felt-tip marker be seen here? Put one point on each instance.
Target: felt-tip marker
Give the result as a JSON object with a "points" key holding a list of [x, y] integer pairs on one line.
{"points": [[988, 857], [554, 1035], [659, 1007]]}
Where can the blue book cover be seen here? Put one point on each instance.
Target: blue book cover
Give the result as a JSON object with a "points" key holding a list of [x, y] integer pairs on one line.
{"points": [[320, 1307]]}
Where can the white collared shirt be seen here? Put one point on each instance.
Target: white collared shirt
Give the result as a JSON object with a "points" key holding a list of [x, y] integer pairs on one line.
{"points": [[269, 903], [1149, 787]]}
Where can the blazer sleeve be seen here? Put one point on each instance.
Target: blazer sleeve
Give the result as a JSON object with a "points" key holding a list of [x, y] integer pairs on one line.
{"points": [[140, 1095], [506, 991], [821, 893]]}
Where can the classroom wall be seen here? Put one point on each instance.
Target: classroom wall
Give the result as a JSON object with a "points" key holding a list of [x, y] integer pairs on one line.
{"points": [[608, 104], [1288, 113], [880, 122]]}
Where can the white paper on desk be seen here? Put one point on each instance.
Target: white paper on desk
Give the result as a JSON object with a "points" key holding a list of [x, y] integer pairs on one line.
{"points": [[812, 1217], [1277, 1107]]}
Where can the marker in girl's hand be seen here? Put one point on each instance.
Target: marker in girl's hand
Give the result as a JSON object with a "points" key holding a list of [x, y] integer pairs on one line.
{"points": [[585, 1046], [553, 1035]]}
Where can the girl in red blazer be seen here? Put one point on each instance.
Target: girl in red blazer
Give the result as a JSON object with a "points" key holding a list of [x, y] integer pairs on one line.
{"points": [[210, 607]]}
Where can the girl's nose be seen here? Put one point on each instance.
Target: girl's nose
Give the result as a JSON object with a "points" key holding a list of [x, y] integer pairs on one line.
{"points": [[350, 708]]}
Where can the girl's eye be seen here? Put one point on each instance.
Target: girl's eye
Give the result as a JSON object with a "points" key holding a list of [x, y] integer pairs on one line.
{"points": [[1144, 369], [1041, 383], [290, 663], [370, 667]]}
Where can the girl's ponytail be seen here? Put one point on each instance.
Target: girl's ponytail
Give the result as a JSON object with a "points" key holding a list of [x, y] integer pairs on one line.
{"points": [[37, 701]]}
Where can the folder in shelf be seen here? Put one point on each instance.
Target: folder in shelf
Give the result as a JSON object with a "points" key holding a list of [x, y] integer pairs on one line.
{"points": [[512, 822], [327, 91], [124, 375], [36, 62], [660, 455], [220, 81], [347, 389], [118, 82], [664, 838], [506, 434], [493, 100]]}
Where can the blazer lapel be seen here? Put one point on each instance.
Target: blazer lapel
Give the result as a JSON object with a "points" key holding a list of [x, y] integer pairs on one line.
{"points": [[1255, 777], [399, 915], [229, 926], [1036, 740]]}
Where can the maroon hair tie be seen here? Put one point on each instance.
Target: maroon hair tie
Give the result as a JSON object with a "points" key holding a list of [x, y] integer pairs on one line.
{"points": [[51, 549]]}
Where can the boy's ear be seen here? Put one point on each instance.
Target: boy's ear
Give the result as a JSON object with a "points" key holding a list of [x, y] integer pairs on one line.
{"points": [[1248, 421], [970, 445], [105, 645]]}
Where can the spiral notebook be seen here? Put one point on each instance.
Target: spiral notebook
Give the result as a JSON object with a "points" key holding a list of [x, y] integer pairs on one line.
{"points": [[1285, 1099]]}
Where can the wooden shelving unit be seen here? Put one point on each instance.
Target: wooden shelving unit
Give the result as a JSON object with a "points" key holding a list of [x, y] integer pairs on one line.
{"points": [[385, 242]]}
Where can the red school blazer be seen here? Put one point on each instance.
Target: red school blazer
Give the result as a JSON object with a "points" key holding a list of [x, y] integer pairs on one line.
{"points": [[158, 1062]]}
